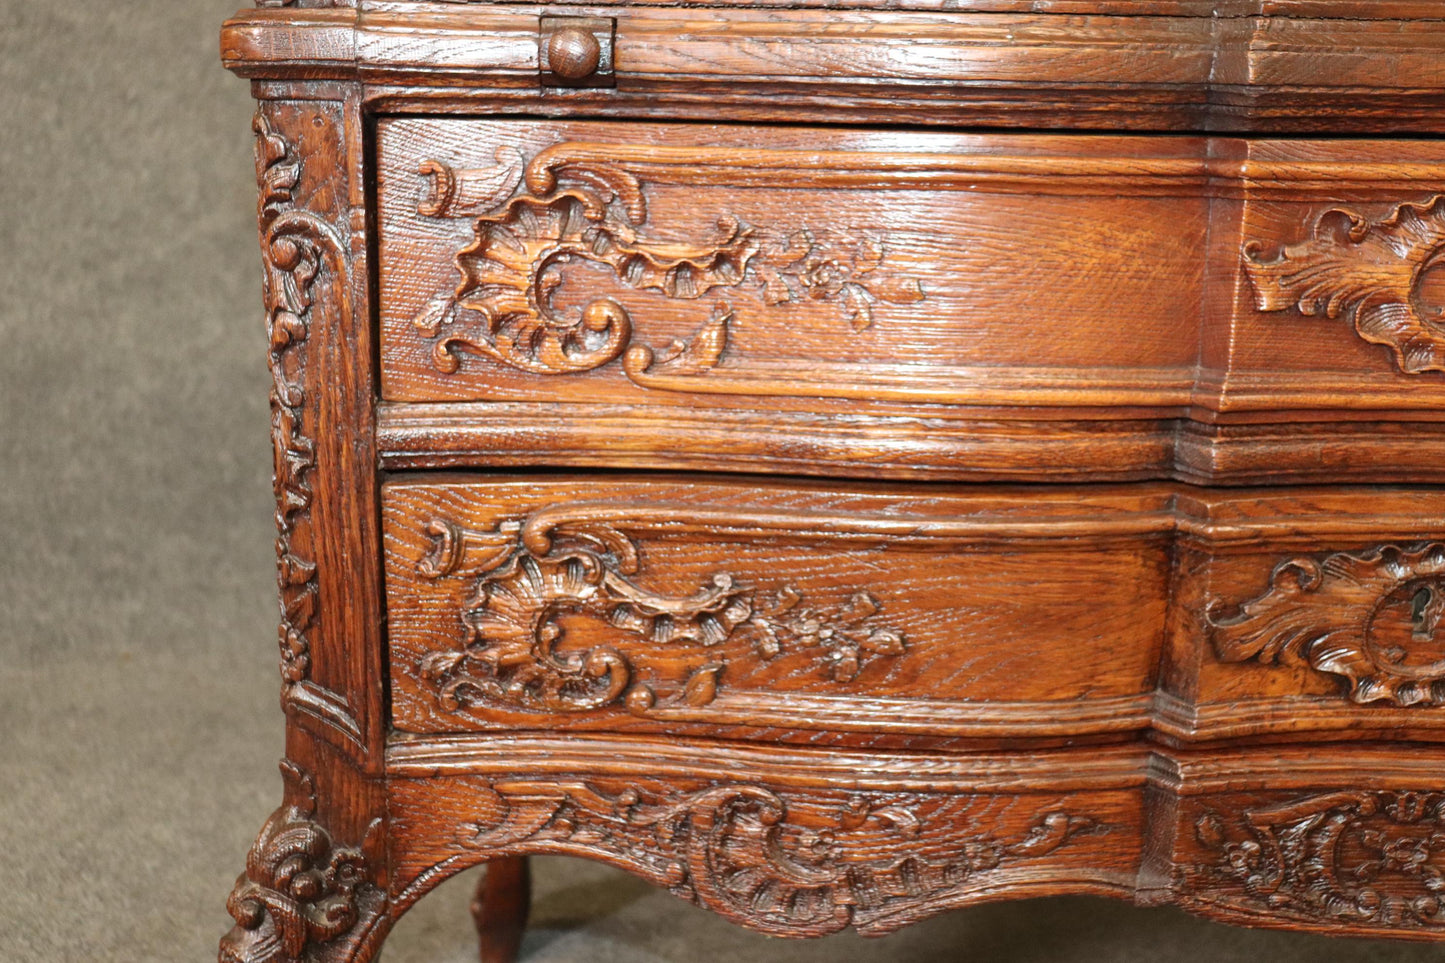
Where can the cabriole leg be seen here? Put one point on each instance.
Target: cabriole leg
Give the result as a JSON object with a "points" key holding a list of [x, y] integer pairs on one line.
{"points": [[500, 908], [305, 897]]}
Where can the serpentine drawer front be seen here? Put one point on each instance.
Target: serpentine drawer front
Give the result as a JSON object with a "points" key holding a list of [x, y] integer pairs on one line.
{"points": [[775, 277], [842, 460], [898, 616]]}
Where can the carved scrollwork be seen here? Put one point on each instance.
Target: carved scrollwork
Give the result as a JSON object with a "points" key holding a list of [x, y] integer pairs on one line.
{"points": [[573, 211], [1367, 271], [739, 849], [300, 890], [527, 586], [1366, 858], [1372, 618]]}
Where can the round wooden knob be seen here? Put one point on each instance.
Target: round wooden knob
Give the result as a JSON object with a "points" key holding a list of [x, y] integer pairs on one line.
{"points": [[573, 54]]}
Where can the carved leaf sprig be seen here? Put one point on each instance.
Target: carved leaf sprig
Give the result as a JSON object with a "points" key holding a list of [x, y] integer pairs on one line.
{"points": [[845, 271], [1366, 271], [1334, 615], [844, 633], [277, 173]]}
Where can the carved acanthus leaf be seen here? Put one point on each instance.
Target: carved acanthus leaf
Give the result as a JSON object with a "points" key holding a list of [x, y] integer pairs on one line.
{"points": [[512, 653], [1371, 617], [738, 849], [1367, 271], [1366, 858]]}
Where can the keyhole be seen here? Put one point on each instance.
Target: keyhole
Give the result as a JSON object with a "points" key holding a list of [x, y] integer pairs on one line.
{"points": [[1419, 614]]}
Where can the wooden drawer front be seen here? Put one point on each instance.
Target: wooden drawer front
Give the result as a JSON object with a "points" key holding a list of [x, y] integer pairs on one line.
{"points": [[788, 841], [598, 261], [798, 612], [802, 268], [644, 605]]}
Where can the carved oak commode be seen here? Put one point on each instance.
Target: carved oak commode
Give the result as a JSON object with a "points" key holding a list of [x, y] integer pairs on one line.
{"points": [[839, 460]]}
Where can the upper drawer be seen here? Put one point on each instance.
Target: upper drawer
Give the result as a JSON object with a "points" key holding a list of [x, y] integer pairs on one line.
{"points": [[659, 264], [865, 272]]}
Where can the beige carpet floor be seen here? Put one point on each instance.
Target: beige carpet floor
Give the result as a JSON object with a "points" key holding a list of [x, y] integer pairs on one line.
{"points": [[138, 723]]}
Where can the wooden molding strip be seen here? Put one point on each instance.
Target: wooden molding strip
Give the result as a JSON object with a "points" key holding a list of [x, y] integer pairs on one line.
{"points": [[962, 443], [1104, 766], [1184, 59], [1122, 766]]}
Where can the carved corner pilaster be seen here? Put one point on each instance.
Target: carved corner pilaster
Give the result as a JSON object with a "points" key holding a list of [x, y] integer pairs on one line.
{"points": [[303, 896], [305, 270]]}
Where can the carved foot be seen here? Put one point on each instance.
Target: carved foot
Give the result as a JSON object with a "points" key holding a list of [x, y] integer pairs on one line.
{"points": [[303, 898], [500, 908]]}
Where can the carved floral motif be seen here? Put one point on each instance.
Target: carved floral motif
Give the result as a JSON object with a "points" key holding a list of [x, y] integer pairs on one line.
{"points": [[512, 650], [300, 890], [1367, 271], [738, 849], [593, 212], [1365, 858], [1371, 617]]}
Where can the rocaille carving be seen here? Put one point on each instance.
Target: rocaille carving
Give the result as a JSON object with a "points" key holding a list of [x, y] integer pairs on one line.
{"points": [[738, 849], [1370, 272], [529, 579], [1364, 858], [1371, 617], [573, 210], [300, 890]]}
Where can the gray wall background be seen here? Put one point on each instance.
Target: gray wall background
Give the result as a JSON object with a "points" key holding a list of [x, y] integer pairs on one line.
{"points": [[139, 729]]}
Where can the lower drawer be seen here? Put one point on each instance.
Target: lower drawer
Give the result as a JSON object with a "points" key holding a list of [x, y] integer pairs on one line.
{"points": [[803, 842], [897, 615]]}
